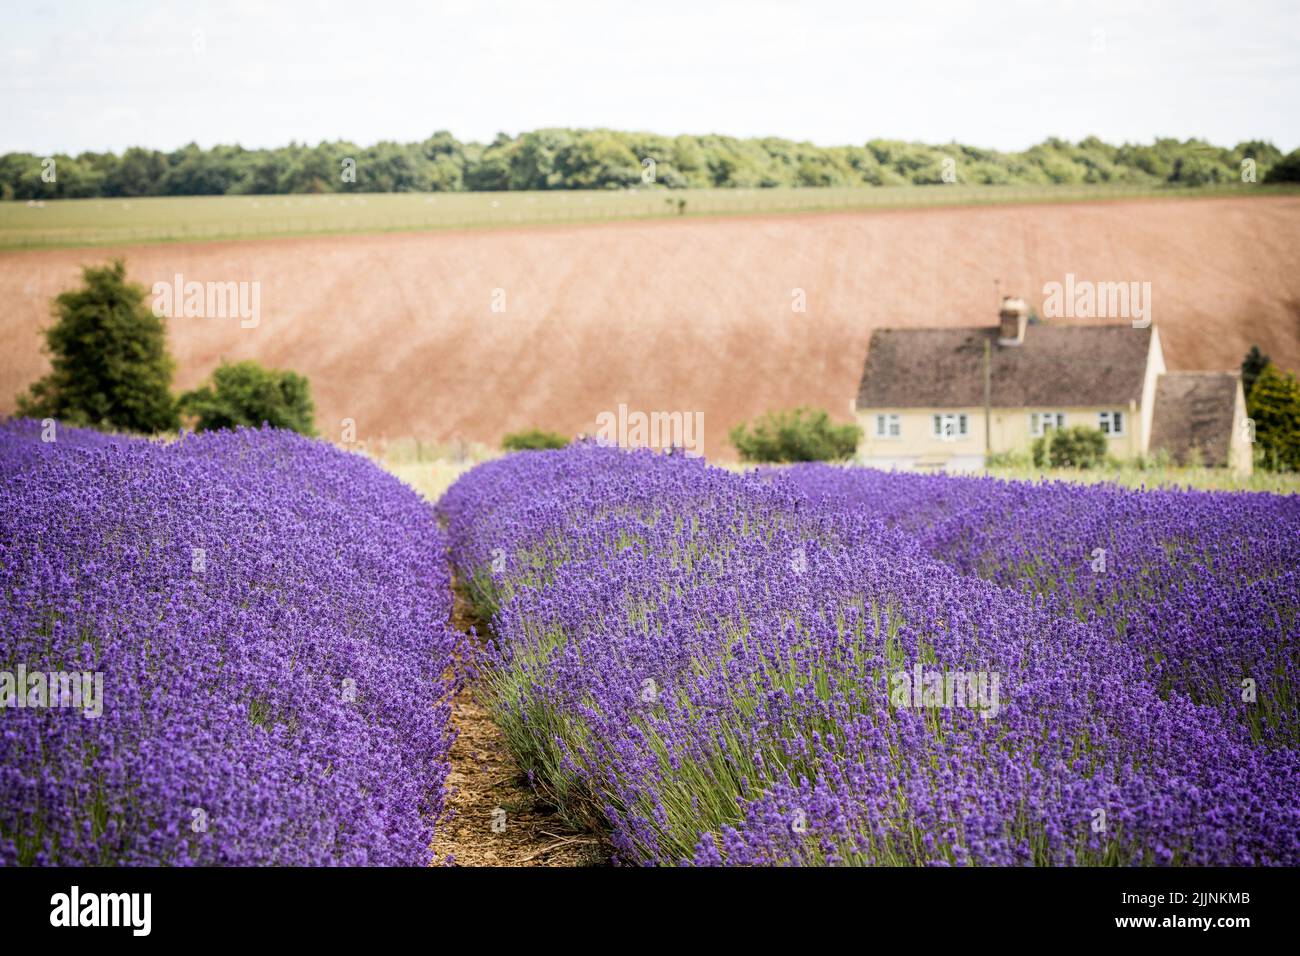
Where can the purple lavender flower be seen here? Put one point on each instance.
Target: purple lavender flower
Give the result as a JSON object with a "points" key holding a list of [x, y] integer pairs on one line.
{"points": [[760, 669], [270, 620]]}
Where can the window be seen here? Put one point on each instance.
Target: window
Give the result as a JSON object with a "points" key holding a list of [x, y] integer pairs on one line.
{"points": [[1111, 423], [950, 427], [888, 426], [1042, 422]]}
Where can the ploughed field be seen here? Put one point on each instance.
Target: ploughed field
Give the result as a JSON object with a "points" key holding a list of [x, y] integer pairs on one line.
{"points": [[811, 665], [398, 331]]}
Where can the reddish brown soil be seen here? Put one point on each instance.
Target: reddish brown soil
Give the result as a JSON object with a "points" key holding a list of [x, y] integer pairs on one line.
{"points": [[485, 781], [487, 787], [397, 332]]}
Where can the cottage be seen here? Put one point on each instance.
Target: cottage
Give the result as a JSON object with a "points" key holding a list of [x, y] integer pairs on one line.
{"points": [[946, 398]]}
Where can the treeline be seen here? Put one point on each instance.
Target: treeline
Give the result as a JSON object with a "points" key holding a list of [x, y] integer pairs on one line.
{"points": [[606, 159]]}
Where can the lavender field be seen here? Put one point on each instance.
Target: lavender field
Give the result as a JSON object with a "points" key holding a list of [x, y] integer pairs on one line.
{"points": [[813, 665], [830, 666], [262, 625]]}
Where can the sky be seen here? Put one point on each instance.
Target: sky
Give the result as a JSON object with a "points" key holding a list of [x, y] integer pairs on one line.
{"points": [[107, 74]]}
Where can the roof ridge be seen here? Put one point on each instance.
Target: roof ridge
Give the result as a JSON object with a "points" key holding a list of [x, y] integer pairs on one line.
{"points": [[995, 328]]}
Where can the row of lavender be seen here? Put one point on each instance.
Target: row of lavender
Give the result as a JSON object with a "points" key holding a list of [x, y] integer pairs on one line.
{"points": [[724, 669], [252, 632], [1205, 584]]}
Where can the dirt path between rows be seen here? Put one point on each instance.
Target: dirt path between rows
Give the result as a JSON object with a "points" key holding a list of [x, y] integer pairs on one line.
{"points": [[494, 817]]}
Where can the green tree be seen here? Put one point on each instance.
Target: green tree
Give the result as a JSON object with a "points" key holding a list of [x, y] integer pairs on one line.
{"points": [[1199, 170], [139, 173], [261, 176], [1264, 154], [489, 170], [1254, 363], [598, 160], [245, 393], [1286, 169], [196, 172], [533, 440], [610, 159], [805, 434], [313, 171], [108, 352], [1275, 408], [577, 159], [536, 162]]}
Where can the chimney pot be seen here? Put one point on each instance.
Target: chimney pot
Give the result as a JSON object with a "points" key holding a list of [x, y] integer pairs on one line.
{"points": [[1012, 319]]}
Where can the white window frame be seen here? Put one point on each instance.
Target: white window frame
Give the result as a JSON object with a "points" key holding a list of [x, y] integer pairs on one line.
{"points": [[959, 421], [889, 426], [1112, 423], [1039, 422]]}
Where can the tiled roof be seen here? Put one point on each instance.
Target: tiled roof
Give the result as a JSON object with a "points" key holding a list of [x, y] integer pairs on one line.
{"points": [[1194, 410], [1055, 366]]}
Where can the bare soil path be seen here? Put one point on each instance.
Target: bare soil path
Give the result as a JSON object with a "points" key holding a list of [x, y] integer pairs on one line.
{"points": [[495, 818]]}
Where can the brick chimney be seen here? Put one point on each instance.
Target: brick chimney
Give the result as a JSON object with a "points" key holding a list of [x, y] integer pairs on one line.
{"points": [[1013, 316]]}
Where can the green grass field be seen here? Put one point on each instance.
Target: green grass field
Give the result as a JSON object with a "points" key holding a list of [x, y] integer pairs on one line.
{"points": [[1172, 476], [99, 222]]}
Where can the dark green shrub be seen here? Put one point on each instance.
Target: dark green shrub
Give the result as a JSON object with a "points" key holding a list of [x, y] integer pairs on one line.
{"points": [[1275, 408], [1285, 170], [533, 440], [245, 393], [1077, 447], [109, 356], [805, 434], [1251, 366]]}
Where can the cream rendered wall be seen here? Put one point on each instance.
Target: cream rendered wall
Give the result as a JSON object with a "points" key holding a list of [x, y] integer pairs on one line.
{"points": [[1155, 368], [1241, 452], [1009, 428], [917, 440]]}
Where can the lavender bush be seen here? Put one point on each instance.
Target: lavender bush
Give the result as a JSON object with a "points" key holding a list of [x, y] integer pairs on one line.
{"points": [[1205, 584], [270, 620], [721, 669]]}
